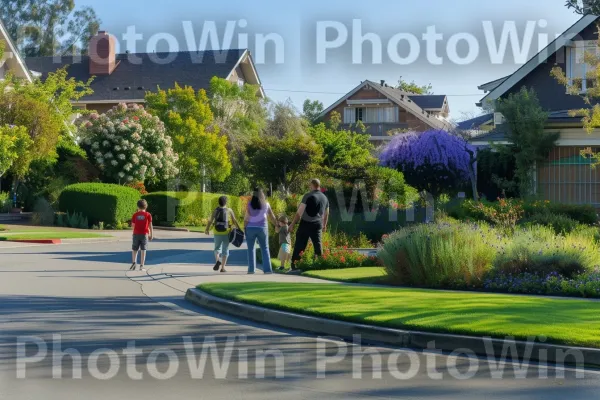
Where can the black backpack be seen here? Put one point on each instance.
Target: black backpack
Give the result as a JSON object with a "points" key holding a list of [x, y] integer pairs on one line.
{"points": [[221, 220]]}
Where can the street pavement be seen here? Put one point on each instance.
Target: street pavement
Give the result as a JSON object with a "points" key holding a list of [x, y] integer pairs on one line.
{"points": [[81, 300]]}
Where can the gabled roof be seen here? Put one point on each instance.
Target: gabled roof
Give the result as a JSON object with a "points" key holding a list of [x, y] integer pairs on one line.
{"points": [[540, 58], [14, 50], [138, 73], [489, 86], [401, 98], [498, 134], [475, 123], [429, 101]]}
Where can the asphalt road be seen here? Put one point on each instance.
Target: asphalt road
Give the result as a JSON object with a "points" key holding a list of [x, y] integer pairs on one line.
{"points": [[76, 325]]}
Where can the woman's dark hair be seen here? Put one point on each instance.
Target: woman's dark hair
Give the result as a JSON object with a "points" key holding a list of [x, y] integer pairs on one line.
{"points": [[258, 199], [222, 201]]}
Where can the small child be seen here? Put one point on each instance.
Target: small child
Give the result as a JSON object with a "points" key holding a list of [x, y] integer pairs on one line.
{"points": [[285, 241], [142, 227]]}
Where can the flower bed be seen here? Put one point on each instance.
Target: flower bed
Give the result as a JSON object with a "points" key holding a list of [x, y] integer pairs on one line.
{"points": [[459, 255]]}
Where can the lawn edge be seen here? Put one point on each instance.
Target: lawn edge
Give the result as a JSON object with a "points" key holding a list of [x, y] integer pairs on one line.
{"points": [[483, 346]]}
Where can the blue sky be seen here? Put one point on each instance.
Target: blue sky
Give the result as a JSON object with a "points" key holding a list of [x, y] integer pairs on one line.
{"points": [[299, 77]]}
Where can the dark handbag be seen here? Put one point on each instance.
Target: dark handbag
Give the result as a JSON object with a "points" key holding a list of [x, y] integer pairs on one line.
{"points": [[236, 237]]}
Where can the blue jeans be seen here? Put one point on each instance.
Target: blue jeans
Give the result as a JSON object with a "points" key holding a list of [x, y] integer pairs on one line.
{"points": [[262, 235]]}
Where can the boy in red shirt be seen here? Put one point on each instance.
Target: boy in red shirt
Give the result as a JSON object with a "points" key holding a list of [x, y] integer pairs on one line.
{"points": [[142, 226]]}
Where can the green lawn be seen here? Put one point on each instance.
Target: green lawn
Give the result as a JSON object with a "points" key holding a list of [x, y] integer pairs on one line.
{"points": [[48, 234], [564, 321], [375, 275]]}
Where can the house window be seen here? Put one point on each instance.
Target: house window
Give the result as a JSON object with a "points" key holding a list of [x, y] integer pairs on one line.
{"points": [[359, 114], [240, 82], [580, 73], [371, 115]]}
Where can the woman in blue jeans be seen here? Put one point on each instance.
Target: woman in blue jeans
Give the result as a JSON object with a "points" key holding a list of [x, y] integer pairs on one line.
{"points": [[257, 228]]}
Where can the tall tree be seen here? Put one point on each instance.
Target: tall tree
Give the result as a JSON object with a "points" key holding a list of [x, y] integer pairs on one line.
{"points": [[239, 112], [529, 142], [285, 120], [413, 87], [282, 161], [311, 110], [189, 121], [584, 6], [49, 27]]}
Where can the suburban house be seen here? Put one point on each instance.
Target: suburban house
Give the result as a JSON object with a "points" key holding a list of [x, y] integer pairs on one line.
{"points": [[566, 176], [12, 60], [385, 110], [126, 77]]}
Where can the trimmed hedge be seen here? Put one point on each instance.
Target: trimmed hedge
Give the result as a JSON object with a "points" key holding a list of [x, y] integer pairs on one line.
{"points": [[169, 208], [100, 202]]}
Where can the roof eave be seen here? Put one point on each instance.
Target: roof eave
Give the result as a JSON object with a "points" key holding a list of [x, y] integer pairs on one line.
{"points": [[537, 59]]}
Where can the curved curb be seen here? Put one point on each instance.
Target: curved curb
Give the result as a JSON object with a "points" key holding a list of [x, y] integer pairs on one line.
{"points": [[484, 346]]}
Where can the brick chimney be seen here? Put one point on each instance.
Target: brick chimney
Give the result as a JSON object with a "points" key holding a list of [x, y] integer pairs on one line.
{"points": [[102, 54]]}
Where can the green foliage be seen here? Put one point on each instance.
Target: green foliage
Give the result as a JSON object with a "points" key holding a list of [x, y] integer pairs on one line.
{"points": [[530, 143], [311, 110], [43, 109], [98, 202], [412, 87], [540, 251], [189, 121], [587, 7], [284, 120], [170, 208], [458, 255], [237, 184], [14, 144], [346, 154], [560, 223], [239, 112], [5, 202], [444, 254], [283, 161], [472, 210], [47, 28], [73, 220]]}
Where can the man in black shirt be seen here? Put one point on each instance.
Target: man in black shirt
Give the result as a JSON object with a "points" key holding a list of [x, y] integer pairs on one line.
{"points": [[313, 214]]}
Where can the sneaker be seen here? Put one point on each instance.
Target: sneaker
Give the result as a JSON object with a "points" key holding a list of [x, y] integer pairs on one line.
{"points": [[251, 273], [281, 269], [217, 266], [142, 268], [294, 271], [132, 268]]}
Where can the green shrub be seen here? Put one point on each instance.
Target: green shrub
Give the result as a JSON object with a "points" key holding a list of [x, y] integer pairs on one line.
{"points": [[100, 202], [5, 202], [538, 250], [236, 184], [334, 258], [443, 254], [43, 213], [170, 208], [559, 222], [582, 213], [472, 210]]}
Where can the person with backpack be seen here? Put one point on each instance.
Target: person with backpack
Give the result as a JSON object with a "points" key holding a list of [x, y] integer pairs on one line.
{"points": [[223, 218]]}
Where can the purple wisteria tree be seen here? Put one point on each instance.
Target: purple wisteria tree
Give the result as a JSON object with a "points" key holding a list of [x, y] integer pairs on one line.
{"points": [[433, 161]]}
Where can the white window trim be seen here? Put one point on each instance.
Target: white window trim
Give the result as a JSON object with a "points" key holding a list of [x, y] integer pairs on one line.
{"points": [[585, 44]]}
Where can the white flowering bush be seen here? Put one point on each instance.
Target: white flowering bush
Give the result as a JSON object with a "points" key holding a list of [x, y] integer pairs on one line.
{"points": [[129, 145]]}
